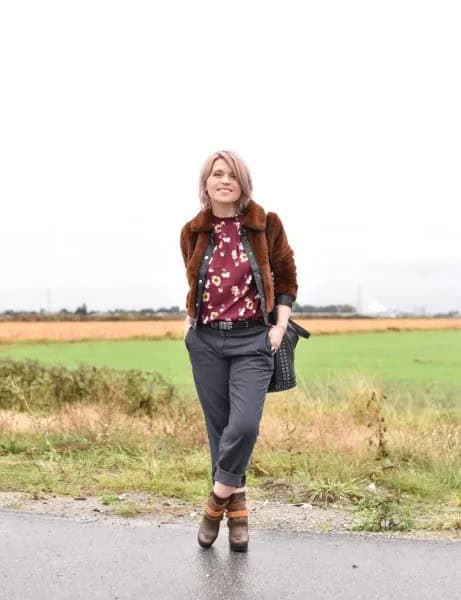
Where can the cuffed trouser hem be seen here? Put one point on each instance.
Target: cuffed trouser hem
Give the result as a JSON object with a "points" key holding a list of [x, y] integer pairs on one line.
{"points": [[231, 479]]}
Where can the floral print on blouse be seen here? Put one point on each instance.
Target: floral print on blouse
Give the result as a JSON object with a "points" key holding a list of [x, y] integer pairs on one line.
{"points": [[230, 292]]}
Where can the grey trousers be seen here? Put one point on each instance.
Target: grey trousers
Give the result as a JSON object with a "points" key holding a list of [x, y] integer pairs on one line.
{"points": [[232, 370]]}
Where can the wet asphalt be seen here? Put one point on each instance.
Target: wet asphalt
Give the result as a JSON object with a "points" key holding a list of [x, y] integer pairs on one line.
{"points": [[44, 557]]}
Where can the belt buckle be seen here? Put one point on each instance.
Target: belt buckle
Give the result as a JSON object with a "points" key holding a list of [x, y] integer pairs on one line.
{"points": [[226, 325]]}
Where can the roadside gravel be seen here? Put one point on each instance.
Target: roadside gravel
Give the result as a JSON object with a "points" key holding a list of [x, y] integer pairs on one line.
{"points": [[145, 507]]}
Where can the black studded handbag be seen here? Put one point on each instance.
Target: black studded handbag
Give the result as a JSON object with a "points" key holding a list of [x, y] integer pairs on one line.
{"points": [[284, 376]]}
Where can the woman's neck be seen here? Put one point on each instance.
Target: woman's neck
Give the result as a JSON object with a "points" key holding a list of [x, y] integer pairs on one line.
{"points": [[223, 211]]}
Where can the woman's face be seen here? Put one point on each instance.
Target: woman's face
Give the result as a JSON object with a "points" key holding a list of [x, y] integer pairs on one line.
{"points": [[222, 185]]}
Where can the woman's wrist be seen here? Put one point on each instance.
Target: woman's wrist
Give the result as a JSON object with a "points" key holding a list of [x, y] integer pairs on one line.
{"points": [[283, 313]]}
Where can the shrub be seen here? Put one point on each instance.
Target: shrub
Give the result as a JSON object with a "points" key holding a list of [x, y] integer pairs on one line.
{"points": [[30, 386]]}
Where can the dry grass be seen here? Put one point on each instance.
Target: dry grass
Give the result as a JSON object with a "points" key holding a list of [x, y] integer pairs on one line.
{"points": [[290, 424], [100, 422], [111, 330], [318, 429], [314, 429]]}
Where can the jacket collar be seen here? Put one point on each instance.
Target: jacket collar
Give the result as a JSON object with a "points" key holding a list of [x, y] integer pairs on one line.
{"points": [[255, 218]]}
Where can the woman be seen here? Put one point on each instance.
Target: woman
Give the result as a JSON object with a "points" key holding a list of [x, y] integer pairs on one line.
{"points": [[240, 270]]}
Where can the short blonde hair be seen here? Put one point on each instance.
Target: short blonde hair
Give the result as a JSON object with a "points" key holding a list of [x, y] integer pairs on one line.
{"points": [[241, 173]]}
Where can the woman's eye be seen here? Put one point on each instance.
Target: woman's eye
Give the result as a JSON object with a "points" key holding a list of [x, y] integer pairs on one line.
{"points": [[220, 174]]}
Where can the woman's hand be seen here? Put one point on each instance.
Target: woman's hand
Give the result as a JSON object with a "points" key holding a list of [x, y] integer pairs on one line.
{"points": [[276, 333], [187, 326]]}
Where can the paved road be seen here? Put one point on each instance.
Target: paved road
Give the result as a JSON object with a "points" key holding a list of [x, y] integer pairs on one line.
{"points": [[43, 557]]}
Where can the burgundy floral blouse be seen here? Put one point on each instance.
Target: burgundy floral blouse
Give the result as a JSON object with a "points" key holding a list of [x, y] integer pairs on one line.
{"points": [[230, 292]]}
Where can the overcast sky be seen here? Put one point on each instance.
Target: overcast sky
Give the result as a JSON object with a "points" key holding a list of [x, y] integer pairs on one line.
{"points": [[347, 113]]}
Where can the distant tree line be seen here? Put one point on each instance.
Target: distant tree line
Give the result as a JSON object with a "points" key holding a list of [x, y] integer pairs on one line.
{"points": [[330, 309], [82, 313]]}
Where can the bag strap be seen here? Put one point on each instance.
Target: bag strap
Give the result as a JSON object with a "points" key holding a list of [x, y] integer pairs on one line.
{"points": [[296, 326]]}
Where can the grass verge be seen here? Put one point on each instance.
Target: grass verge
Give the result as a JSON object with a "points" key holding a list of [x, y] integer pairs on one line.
{"points": [[95, 431]]}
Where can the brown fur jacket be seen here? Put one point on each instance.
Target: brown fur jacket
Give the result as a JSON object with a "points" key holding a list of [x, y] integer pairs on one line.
{"points": [[272, 252]]}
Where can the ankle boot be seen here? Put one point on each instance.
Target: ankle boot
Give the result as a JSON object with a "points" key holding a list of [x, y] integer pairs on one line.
{"points": [[211, 520], [237, 521]]}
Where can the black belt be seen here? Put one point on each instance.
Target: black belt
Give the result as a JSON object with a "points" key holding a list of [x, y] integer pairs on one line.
{"points": [[230, 325]]}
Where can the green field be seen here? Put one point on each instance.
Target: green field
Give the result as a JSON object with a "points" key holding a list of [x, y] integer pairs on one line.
{"points": [[416, 359]]}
